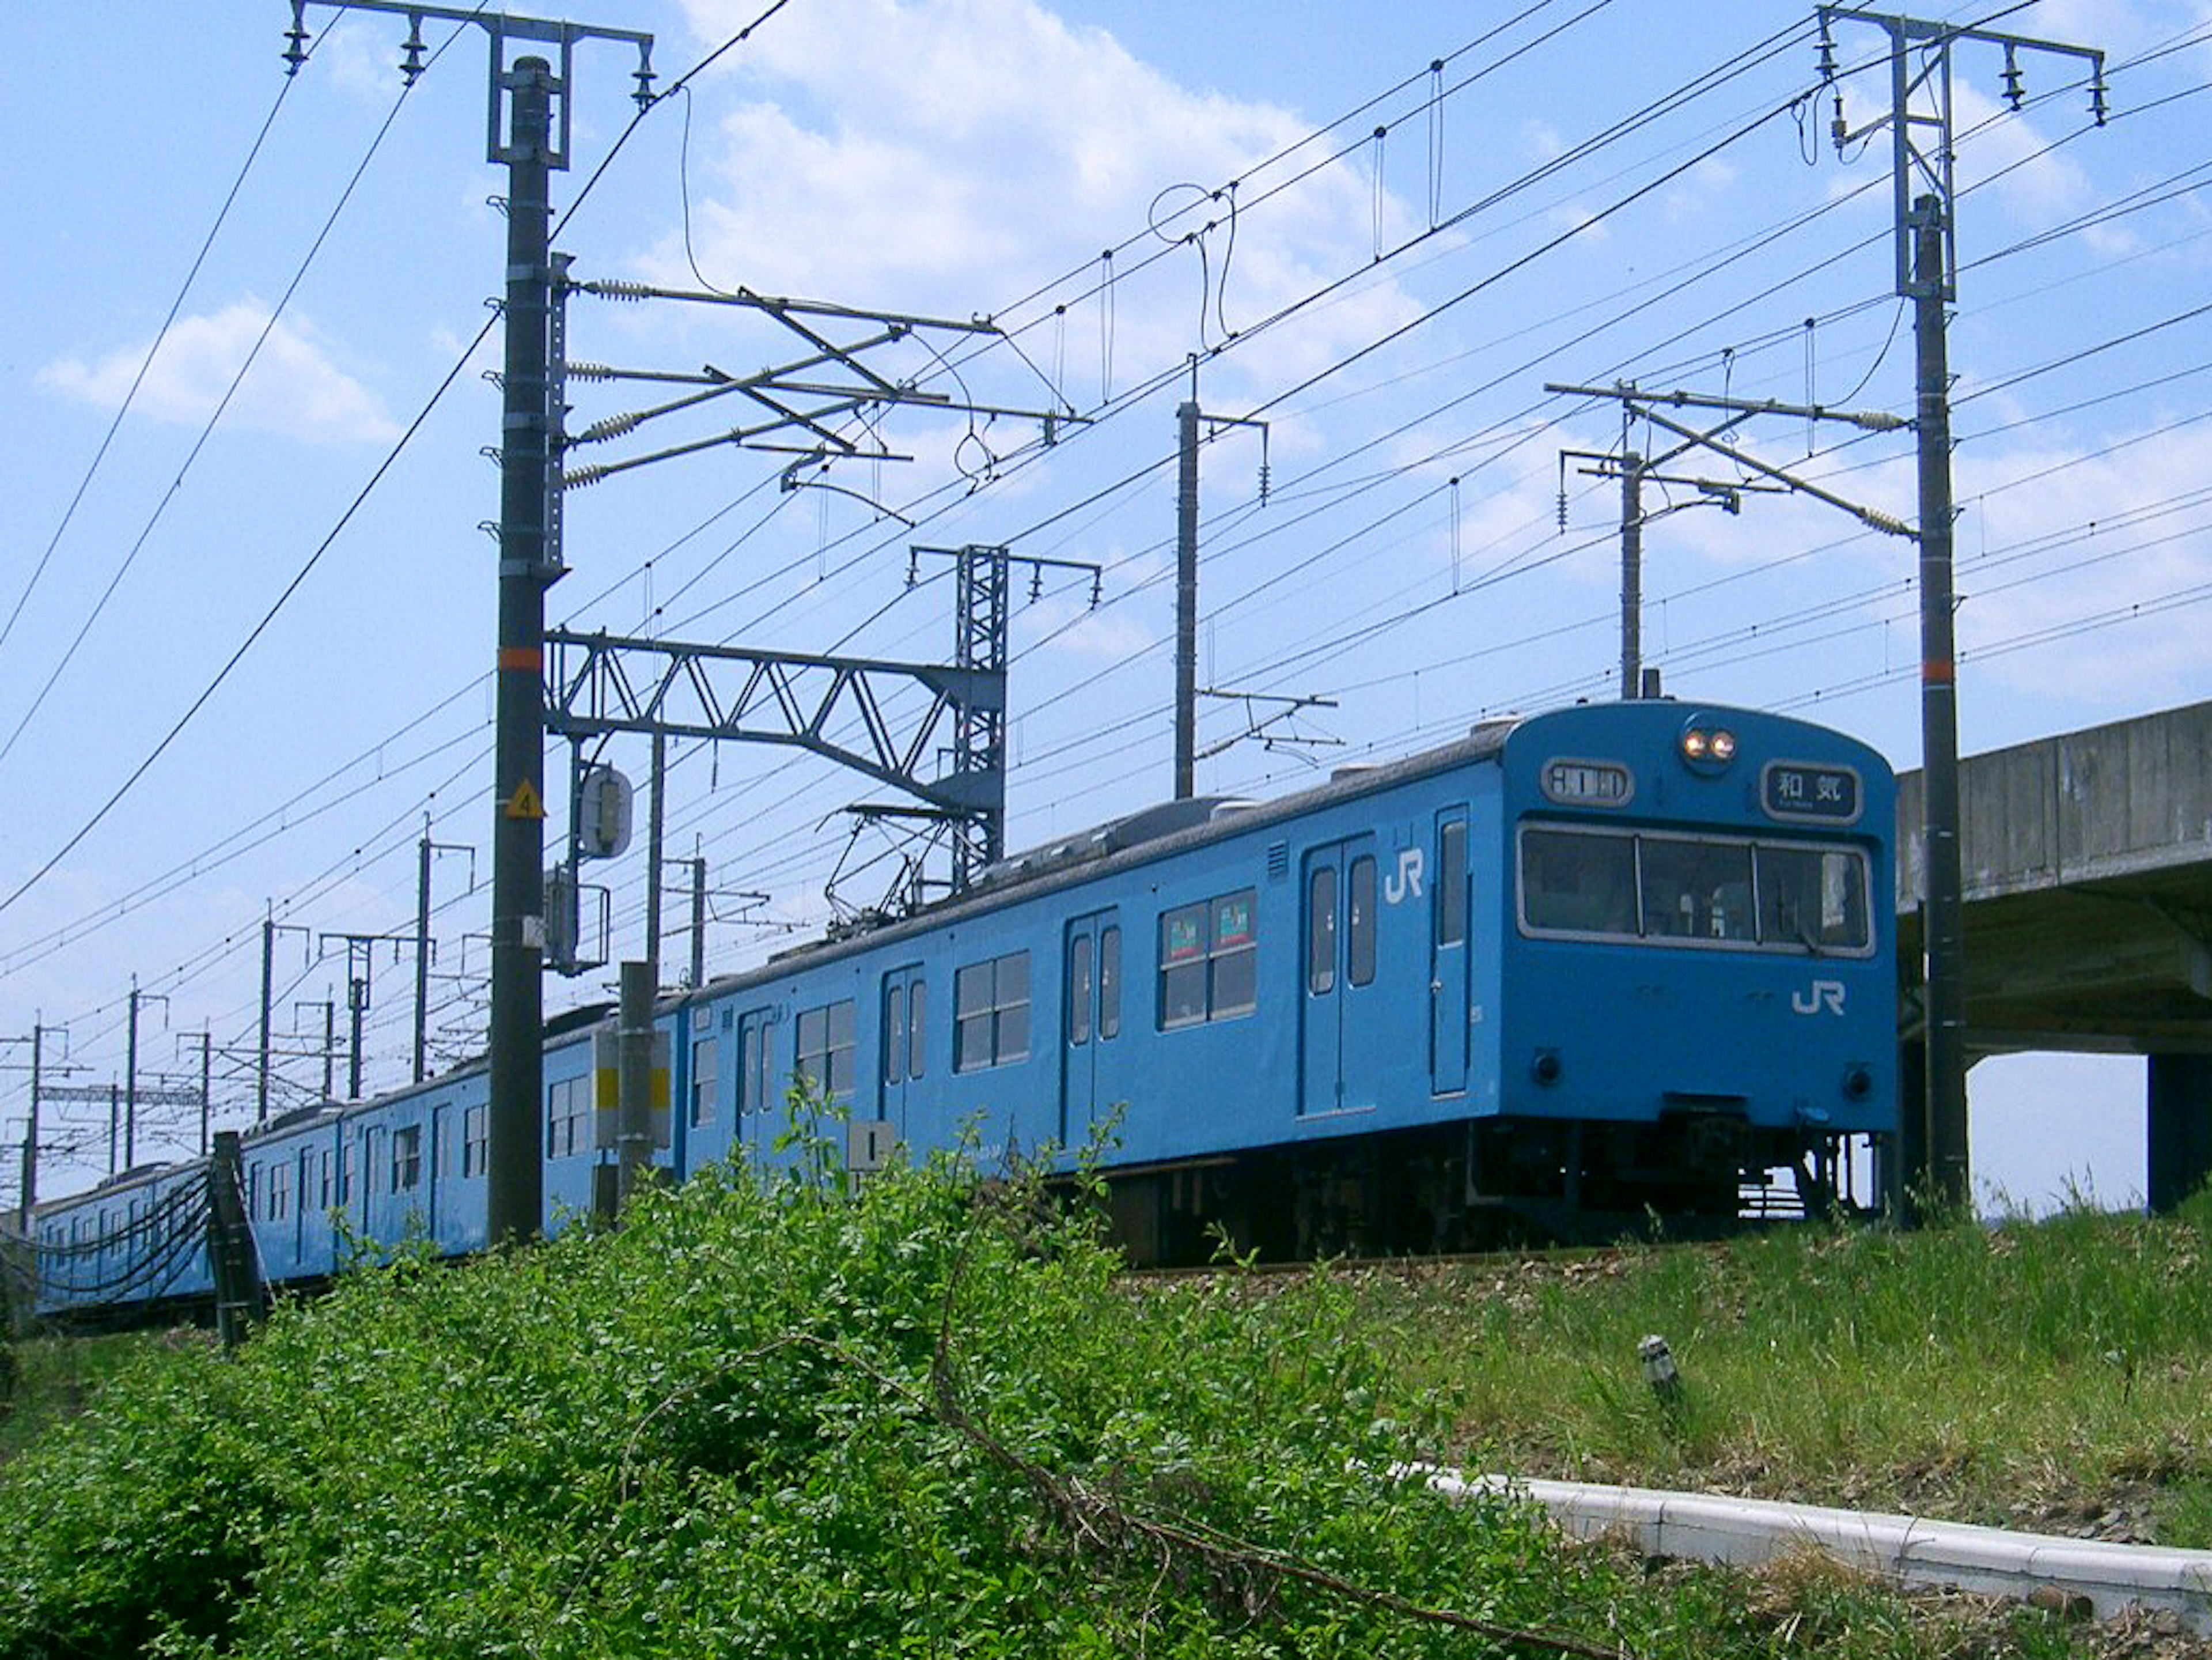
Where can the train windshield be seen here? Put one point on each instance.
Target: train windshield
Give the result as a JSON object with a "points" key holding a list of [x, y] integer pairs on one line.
{"points": [[1809, 897]]}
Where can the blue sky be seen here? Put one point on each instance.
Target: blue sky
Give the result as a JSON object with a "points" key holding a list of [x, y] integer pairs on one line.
{"points": [[1585, 191]]}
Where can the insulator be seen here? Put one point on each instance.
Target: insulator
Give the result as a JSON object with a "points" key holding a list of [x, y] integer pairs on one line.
{"points": [[582, 478], [2098, 110], [1838, 129], [1828, 65], [589, 372], [296, 38], [1265, 476], [2015, 94], [613, 427], [411, 61], [616, 290], [1563, 512]]}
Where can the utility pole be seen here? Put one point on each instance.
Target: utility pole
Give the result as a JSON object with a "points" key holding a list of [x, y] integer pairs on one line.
{"points": [[130, 1073], [1925, 245], [427, 850], [270, 929], [698, 922], [37, 1041], [529, 563], [1189, 417], [659, 805]]}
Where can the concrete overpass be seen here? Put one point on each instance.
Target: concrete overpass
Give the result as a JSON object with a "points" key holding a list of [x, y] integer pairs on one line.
{"points": [[2088, 862]]}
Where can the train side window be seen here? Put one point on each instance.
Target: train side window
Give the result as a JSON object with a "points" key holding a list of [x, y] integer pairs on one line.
{"points": [[1079, 991], [406, 1158], [1697, 889], [1321, 930], [825, 1048], [1359, 924], [1233, 949], [1578, 884], [705, 1078], [915, 1031], [280, 1189], [1110, 982], [990, 1013], [476, 1140], [568, 1112], [1451, 883], [1182, 967]]}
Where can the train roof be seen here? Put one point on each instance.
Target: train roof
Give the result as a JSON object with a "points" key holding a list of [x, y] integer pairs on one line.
{"points": [[1158, 831]]}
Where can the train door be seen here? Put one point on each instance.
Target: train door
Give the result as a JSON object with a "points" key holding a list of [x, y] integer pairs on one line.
{"points": [[1341, 1035], [905, 1019], [1448, 932], [760, 1103], [1090, 1022]]}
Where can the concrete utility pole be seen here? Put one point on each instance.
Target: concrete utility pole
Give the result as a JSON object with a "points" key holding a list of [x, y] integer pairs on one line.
{"points": [[427, 852], [270, 929], [529, 560], [1925, 245], [515, 1190], [1188, 417]]}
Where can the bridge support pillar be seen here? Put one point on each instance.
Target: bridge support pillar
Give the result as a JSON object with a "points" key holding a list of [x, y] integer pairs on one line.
{"points": [[2179, 1124], [1903, 1172]]}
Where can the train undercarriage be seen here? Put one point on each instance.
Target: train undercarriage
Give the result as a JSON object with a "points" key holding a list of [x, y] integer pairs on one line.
{"points": [[1492, 1184]]}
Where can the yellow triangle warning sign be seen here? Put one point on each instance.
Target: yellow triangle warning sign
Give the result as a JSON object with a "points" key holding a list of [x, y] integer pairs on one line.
{"points": [[525, 803]]}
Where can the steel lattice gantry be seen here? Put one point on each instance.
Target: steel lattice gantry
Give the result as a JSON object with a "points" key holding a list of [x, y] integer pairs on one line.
{"points": [[847, 709]]}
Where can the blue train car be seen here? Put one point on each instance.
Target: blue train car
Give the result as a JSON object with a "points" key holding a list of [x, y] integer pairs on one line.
{"points": [[1571, 970]]}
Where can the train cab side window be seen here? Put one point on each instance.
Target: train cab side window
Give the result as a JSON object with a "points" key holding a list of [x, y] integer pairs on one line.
{"points": [[1451, 883], [1360, 925], [1110, 982]]}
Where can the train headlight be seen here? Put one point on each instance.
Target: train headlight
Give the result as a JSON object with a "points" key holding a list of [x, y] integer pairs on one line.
{"points": [[1707, 748]]}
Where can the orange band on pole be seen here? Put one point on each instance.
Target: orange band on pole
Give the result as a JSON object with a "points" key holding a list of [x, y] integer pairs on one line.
{"points": [[526, 659], [1938, 674]]}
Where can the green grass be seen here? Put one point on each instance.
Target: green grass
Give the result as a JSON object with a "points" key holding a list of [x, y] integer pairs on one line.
{"points": [[56, 1378], [2038, 1374], [922, 1421]]}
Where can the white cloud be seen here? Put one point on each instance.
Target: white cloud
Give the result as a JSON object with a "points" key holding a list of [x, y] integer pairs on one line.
{"points": [[887, 155], [294, 387]]}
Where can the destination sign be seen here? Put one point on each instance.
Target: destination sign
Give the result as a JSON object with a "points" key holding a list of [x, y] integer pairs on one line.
{"points": [[1587, 783], [1797, 789]]}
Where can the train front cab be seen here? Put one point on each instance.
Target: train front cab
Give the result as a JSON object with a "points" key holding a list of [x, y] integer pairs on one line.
{"points": [[1695, 974]]}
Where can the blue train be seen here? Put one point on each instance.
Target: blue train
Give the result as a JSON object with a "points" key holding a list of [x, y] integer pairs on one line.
{"points": [[1569, 971]]}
